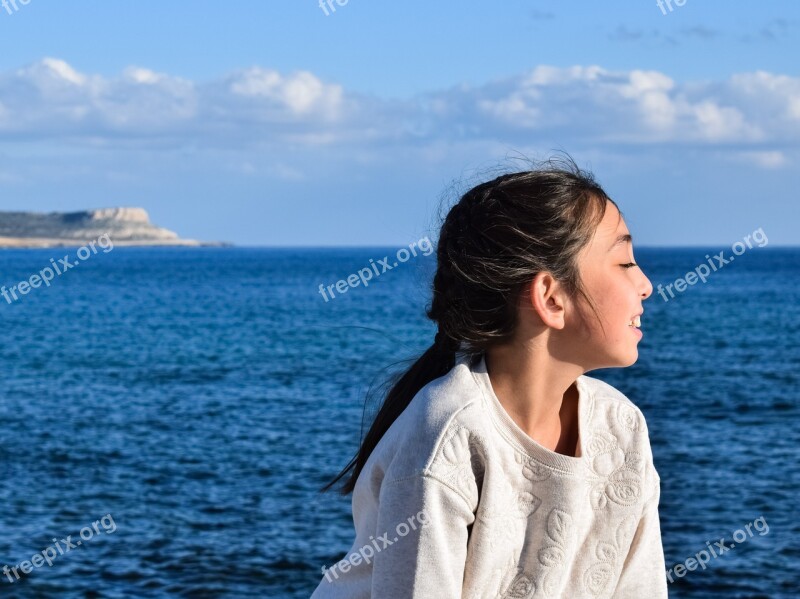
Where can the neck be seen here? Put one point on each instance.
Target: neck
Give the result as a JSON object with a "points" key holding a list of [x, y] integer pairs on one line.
{"points": [[538, 392]]}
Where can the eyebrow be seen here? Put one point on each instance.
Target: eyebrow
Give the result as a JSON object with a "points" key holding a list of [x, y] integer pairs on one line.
{"points": [[620, 240]]}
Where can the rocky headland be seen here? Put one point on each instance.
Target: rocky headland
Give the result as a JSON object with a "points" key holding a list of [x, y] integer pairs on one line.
{"points": [[125, 226]]}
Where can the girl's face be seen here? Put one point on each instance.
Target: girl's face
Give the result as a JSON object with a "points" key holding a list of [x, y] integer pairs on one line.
{"points": [[617, 290]]}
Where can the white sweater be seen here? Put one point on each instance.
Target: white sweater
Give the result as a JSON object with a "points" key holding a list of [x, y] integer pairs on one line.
{"points": [[457, 501]]}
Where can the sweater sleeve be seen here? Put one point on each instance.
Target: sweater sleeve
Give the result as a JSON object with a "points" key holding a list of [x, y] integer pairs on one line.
{"points": [[426, 559], [644, 572]]}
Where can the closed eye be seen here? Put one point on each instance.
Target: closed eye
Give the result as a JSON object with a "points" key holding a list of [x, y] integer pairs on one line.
{"points": [[629, 265]]}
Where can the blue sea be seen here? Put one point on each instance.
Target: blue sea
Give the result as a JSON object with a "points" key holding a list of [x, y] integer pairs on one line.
{"points": [[198, 398]]}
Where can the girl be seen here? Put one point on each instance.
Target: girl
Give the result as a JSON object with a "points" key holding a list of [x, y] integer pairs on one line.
{"points": [[496, 467]]}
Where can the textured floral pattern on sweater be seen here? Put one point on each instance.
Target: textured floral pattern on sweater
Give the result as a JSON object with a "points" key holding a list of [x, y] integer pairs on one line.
{"points": [[507, 518]]}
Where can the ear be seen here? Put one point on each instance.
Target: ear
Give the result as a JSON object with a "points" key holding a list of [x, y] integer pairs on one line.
{"points": [[548, 299]]}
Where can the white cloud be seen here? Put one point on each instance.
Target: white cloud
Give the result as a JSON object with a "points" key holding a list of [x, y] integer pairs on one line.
{"points": [[139, 75], [586, 105], [53, 69], [771, 160], [301, 93], [769, 94], [604, 106]]}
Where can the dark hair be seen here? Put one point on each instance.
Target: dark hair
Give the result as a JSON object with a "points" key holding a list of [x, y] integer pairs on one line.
{"points": [[498, 236]]}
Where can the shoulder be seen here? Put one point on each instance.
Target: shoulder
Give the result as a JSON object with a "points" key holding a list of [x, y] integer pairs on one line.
{"points": [[618, 435], [613, 409], [439, 430]]}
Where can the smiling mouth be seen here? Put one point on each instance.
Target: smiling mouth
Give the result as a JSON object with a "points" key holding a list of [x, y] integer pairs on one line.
{"points": [[636, 321]]}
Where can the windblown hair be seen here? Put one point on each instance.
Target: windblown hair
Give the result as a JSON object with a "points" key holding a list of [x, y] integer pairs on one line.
{"points": [[492, 243]]}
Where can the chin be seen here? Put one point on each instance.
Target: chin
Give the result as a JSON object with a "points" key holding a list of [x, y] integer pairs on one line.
{"points": [[623, 360]]}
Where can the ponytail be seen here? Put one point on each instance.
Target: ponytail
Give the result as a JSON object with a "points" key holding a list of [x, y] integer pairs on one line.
{"points": [[437, 361]]}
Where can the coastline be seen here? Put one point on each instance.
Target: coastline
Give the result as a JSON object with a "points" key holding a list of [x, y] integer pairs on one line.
{"points": [[37, 243]]}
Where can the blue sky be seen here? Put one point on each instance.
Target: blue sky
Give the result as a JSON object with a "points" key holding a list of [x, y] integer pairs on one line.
{"points": [[270, 123]]}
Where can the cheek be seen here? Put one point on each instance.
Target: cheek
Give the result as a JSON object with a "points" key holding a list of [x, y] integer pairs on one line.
{"points": [[606, 287], [600, 291], [609, 309]]}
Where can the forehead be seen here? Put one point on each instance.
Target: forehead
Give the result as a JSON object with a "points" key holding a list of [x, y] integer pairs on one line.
{"points": [[611, 233], [612, 227]]}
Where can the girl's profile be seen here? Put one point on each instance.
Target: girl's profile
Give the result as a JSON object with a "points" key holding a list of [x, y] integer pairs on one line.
{"points": [[496, 467]]}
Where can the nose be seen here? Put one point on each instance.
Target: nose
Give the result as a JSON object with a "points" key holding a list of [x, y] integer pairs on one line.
{"points": [[646, 287]]}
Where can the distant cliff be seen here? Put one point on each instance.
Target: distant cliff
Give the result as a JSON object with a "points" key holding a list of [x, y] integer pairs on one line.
{"points": [[125, 226]]}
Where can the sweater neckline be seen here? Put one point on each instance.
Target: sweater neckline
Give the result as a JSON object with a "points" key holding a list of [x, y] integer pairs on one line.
{"points": [[519, 438]]}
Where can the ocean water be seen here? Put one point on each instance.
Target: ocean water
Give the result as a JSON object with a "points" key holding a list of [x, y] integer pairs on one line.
{"points": [[198, 398]]}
